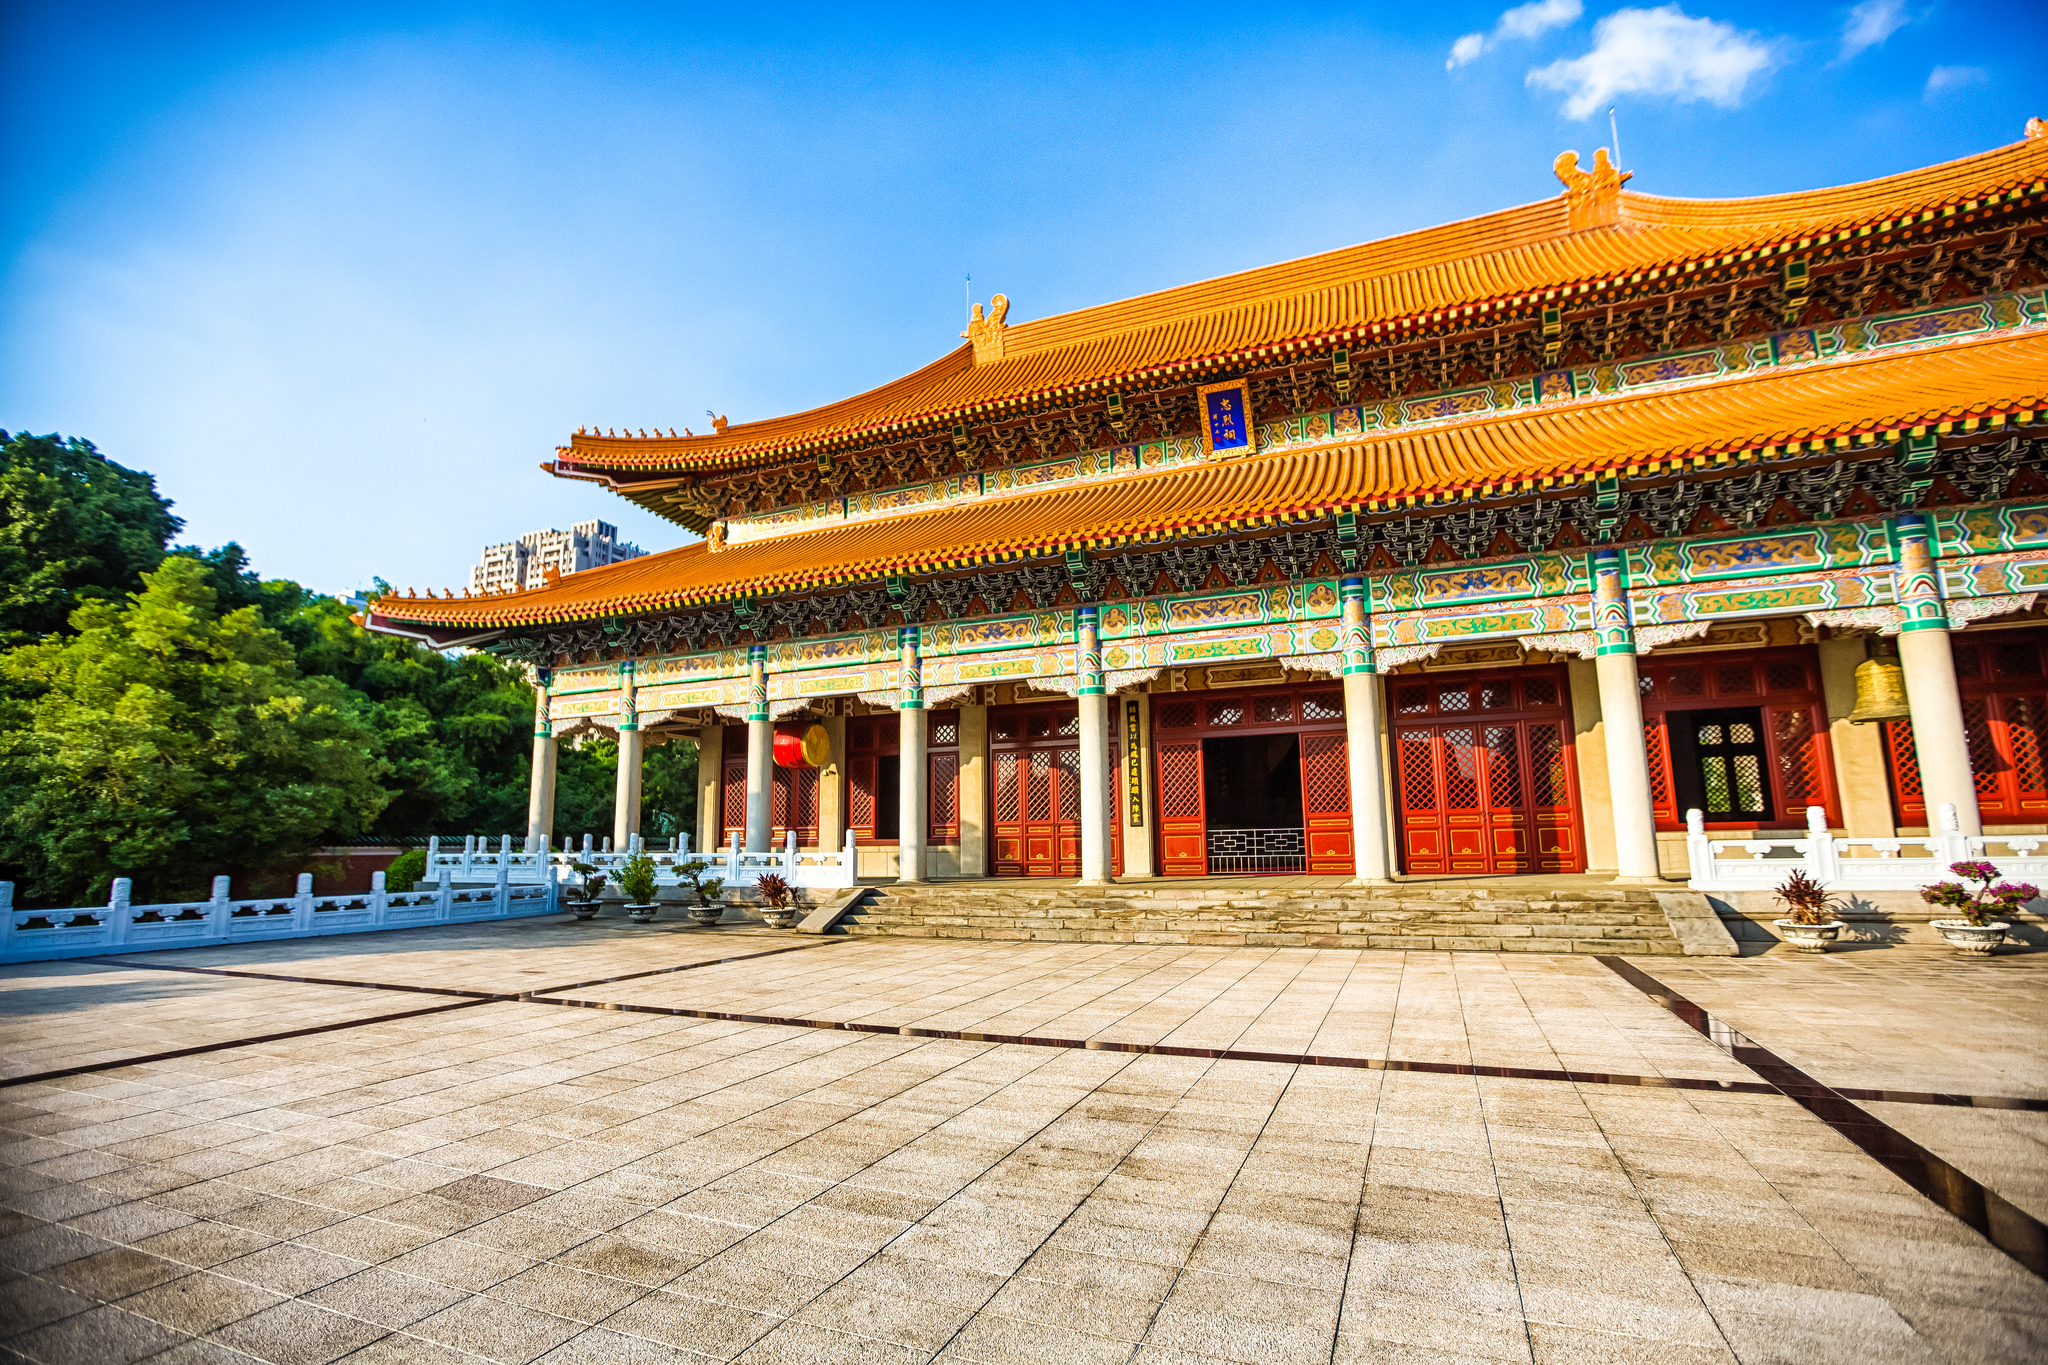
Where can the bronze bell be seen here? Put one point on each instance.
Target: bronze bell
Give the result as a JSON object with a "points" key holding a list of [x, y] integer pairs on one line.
{"points": [[1880, 691]]}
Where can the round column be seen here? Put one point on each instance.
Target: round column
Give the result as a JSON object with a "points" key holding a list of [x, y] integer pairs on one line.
{"points": [[760, 752], [626, 796], [540, 796], [1940, 741], [1364, 739], [1095, 860], [913, 778], [1621, 714]]}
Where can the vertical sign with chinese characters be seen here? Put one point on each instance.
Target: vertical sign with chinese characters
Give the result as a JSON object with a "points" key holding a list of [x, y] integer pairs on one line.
{"points": [[1226, 417], [1134, 769]]}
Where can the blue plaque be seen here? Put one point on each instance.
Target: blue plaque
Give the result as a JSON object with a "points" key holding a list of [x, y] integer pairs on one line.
{"points": [[1227, 417]]}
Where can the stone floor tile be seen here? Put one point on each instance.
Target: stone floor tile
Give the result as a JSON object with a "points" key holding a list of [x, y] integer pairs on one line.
{"points": [[200, 1302], [113, 1275], [385, 1297], [29, 1301], [298, 1333], [805, 1343], [715, 1329], [567, 1292], [1001, 1340], [98, 1336], [495, 1330], [288, 1269]]}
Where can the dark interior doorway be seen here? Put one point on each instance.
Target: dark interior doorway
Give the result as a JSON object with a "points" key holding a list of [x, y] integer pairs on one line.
{"points": [[1719, 763], [888, 796], [1251, 788]]}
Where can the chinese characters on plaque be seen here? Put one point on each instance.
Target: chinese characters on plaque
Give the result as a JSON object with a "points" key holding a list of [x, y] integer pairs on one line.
{"points": [[1227, 417]]}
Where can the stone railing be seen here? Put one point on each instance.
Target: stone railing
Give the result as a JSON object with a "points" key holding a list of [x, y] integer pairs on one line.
{"points": [[122, 927], [1854, 864], [801, 867]]}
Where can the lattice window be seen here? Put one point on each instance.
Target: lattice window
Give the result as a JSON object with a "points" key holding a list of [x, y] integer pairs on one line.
{"points": [[1323, 706], [860, 774], [1798, 760], [1272, 710], [1546, 766], [945, 729], [1006, 787], [1038, 799], [1786, 675], [1461, 771], [1660, 763], [778, 798], [1967, 665], [1038, 727], [1735, 680], [1070, 724], [1539, 692], [1418, 770], [1646, 684], [1905, 759], [1068, 761], [805, 784], [736, 794], [1686, 682], [1411, 701], [2023, 722], [1984, 761], [860, 734], [1180, 781], [1228, 711], [1175, 715], [1503, 767], [1495, 696], [945, 798], [1325, 780], [2016, 660], [1454, 699], [1003, 729]]}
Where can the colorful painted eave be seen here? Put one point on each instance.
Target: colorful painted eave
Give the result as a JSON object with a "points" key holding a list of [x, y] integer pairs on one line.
{"points": [[1965, 387], [1501, 262]]}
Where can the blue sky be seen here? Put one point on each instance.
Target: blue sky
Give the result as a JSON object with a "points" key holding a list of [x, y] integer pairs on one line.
{"points": [[341, 276]]}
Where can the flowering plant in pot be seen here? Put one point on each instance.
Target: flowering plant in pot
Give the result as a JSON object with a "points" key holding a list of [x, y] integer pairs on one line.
{"points": [[583, 897], [636, 879], [778, 900], [1980, 930], [707, 910], [1811, 924]]}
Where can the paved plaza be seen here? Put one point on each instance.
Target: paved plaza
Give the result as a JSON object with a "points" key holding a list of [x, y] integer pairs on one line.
{"points": [[597, 1142]]}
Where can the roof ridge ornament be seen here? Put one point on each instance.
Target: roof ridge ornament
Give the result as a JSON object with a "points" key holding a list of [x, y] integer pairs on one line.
{"points": [[2037, 129], [987, 332], [1592, 198]]}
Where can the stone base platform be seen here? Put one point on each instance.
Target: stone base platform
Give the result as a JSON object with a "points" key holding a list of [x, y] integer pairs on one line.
{"points": [[1524, 914]]}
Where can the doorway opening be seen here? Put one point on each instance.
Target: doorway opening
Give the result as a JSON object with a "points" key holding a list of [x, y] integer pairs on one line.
{"points": [[1251, 788]]}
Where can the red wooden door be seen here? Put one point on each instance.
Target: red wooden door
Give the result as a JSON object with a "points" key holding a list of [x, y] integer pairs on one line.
{"points": [[1183, 830], [1487, 797], [1326, 803]]}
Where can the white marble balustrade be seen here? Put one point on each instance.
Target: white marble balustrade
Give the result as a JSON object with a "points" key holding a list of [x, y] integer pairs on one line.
{"points": [[1839, 864]]}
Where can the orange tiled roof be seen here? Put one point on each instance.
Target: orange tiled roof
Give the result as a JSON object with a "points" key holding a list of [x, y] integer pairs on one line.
{"points": [[1878, 393], [1481, 262]]}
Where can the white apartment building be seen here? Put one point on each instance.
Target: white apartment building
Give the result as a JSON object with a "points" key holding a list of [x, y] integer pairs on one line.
{"points": [[586, 545]]}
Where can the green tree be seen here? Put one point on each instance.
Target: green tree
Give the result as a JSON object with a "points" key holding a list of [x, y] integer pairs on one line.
{"points": [[74, 527], [166, 741], [668, 791]]}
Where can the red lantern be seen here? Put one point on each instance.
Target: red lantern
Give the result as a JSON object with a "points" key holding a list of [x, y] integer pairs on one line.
{"points": [[802, 748]]}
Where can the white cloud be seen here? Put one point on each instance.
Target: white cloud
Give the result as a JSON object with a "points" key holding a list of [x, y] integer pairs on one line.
{"points": [[1532, 20], [1661, 51], [1869, 24], [1943, 79]]}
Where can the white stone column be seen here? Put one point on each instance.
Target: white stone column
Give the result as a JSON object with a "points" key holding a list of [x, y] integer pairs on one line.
{"points": [[973, 791], [1940, 741], [1364, 738], [1621, 711], [710, 794], [832, 786], [540, 797], [626, 795], [914, 775], [1095, 794], [760, 752]]}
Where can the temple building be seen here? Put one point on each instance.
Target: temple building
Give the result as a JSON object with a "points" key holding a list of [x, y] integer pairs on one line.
{"points": [[1494, 548]]}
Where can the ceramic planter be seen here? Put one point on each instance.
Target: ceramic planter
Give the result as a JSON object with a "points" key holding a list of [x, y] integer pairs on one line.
{"points": [[1807, 938], [641, 914], [779, 919], [583, 909], [707, 915], [1978, 940]]}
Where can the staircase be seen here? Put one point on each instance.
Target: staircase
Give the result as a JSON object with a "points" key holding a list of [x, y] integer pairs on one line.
{"points": [[1458, 916]]}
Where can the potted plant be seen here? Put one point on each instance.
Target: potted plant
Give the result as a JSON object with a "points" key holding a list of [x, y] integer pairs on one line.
{"points": [[636, 879], [779, 900], [583, 897], [1979, 931], [1812, 925], [707, 910]]}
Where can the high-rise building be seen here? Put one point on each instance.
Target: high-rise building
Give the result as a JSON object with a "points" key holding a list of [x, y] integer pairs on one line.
{"points": [[526, 561]]}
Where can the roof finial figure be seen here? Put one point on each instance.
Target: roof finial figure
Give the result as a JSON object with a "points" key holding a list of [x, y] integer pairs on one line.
{"points": [[987, 332], [1592, 198], [2037, 129]]}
